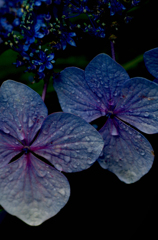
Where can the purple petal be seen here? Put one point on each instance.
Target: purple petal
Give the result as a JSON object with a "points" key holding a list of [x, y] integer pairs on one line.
{"points": [[76, 97], [32, 190], [22, 111], [9, 147], [68, 142], [127, 153], [139, 104], [105, 78], [151, 61]]}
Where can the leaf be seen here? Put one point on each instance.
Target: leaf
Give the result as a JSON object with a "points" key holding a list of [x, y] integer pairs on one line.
{"points": [[68, 142], [22, 111], [127, 153], [9, 148], [151, 61], [32, 190], [139, 104], [75, 95]]}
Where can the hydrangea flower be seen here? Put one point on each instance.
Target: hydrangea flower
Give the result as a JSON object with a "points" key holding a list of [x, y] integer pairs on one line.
{"points": [[29, 188], [45, 61], [151, 62], [105, 89]]}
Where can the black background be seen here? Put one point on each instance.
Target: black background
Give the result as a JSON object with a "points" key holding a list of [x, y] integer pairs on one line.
{"points": [[100, 205]]}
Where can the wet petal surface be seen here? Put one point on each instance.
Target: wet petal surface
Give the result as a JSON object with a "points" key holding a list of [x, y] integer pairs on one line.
{"points": [[22, 111], [9, 148], [151, 61], [76, 97], [68, 142], [139, 104], [105, 78], [32, 190], [128, 154]]}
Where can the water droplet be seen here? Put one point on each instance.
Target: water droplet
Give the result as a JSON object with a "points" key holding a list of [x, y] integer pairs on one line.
{"points": [[99, 95], [142, 153], [90, 161], [30, 122], [67, 158], [146, 114], [24, 118], [89, 150], [62, 191], [115, 94], [6, 130], [10, 178], [41, 173], [58, 167]]}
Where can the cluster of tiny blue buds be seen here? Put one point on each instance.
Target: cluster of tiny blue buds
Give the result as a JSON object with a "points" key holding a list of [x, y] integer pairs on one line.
{"points": [[30, 27]]}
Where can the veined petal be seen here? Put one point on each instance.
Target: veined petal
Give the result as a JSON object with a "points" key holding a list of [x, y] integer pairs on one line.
{"points": [[127, 154], [139, 104], [9, 147], [151, 61], [76, 97], [105, 78], [68, 142], [32, 190], [22, 111]]}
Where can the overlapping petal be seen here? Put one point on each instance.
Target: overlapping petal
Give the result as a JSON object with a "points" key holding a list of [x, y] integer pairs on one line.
{"points": [[68, 142], [32, 190], [22, 111], [127, 153], [151, 61], [138, 104], [76, 97], [9, 148]]}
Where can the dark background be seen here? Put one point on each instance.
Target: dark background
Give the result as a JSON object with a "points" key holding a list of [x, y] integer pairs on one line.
{"points": [[100, 204]]}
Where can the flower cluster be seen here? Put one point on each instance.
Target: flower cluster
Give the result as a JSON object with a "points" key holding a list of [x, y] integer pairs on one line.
{"points": [[29, 27]]}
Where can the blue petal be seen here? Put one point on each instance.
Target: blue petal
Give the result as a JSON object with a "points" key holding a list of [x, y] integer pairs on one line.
{"points": [[22, 110], [139, 104], [76, 97], [49, 65], [39, 35], [32, 190], [71, 42], [127, 153], [50, 56], [41, 68], [9, 146], [151, 61], [68, 142], [72, 34], [105, 78]]}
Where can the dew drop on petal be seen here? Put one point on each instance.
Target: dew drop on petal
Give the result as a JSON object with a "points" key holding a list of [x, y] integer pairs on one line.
{"points": [[30, 122], [67, 158], [58, 167], [62, 191], [6, 130]]}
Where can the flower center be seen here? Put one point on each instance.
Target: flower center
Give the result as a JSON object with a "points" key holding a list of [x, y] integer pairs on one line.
{"points": [[26, 149], [110, 114]]}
